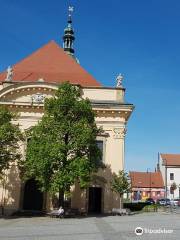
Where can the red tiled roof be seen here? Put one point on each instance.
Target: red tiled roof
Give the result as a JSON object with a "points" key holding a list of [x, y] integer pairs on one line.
{"points": [[146, 179], [53, 65], [171, 159]]}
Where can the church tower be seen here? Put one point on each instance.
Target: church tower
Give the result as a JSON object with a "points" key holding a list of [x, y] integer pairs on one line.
{"points": [[68, 38]]}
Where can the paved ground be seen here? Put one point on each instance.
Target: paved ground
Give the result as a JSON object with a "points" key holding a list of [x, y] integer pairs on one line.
{"points": [[91, 228]]}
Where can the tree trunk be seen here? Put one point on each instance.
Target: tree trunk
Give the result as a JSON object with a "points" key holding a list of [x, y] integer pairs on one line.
{"points": [[61, 198], [120, 202]]}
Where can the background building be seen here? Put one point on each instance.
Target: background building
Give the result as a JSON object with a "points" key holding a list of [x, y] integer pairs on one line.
{"points": [[146, 185], [169, 165]]}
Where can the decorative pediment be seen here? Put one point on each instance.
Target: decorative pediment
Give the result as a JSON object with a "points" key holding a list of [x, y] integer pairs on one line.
{"points": [[27, 93]]}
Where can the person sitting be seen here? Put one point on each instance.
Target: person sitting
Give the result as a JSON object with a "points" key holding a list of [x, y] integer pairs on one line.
{"points": [[61, 212]]}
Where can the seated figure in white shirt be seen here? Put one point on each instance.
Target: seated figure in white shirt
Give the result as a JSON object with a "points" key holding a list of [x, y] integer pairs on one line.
{"points": [[61, 211]]}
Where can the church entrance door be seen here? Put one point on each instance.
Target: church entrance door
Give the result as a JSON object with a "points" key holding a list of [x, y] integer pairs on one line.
{"points": [[95, 199], [33, 197]]}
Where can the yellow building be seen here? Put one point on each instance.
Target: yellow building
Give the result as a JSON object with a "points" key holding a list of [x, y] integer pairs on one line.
{"points": [[23, 88]]}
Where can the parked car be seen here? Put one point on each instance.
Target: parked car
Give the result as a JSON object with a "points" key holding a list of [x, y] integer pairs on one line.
{"points": [[175, 202], [150, 201], [164, 201]]}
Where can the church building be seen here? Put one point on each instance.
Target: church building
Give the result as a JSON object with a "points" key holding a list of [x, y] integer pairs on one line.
{"points": [[23, 88]]}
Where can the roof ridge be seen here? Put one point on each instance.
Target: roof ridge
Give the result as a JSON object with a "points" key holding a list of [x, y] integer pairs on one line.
{"points": [[48, 61]]}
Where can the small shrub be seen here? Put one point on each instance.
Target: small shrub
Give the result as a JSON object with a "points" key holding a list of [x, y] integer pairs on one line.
{"points": [[135, 206]]}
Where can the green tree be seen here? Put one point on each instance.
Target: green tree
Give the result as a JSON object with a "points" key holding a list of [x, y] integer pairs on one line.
{"points": [[62, 148], [173, 188], [121, 184], [10, 136]]}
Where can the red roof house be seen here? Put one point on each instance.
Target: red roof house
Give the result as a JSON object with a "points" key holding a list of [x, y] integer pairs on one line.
{"points": [[171, 159], [147, 179], [147, 184]]}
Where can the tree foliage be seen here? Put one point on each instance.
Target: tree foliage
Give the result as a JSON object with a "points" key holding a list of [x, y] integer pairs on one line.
{"points": [[173, 186], [120, 184], [10, 136], [62, 148]]}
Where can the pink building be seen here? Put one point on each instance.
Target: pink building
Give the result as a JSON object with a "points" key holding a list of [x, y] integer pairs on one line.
{"points": [[147, 185]]}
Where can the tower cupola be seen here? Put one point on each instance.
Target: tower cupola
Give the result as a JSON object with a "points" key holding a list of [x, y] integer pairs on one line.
{"points": [[68, 38]]}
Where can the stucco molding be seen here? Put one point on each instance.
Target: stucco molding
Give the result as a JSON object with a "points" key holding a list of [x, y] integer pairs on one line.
{"points": [[106, 113], [26, 90], [119, 133]]}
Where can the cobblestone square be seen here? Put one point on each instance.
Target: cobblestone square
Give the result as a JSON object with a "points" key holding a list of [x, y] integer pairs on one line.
{"points": [[91, 228]]}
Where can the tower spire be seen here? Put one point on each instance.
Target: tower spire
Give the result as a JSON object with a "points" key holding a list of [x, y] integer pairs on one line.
{"points": [[68, 38]]}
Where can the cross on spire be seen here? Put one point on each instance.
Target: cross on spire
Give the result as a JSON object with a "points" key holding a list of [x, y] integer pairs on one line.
{"points": [[71, 9]]}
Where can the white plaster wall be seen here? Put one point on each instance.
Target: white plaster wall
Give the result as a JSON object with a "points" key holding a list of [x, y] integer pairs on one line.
{"points": [[103, 94], [162, 169], [176, 172]]}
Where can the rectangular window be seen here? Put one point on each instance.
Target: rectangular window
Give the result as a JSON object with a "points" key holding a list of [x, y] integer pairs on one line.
{"points": [[171, 176], [100, 146]]}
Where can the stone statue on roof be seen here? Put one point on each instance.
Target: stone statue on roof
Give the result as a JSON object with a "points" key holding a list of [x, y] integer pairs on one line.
{"points": [[9, 74], [119, 80]]}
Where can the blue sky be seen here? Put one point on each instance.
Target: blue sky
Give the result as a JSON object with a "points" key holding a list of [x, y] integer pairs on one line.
{"points": [[140, 39]]}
